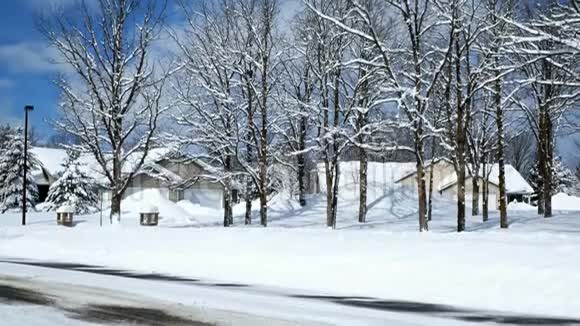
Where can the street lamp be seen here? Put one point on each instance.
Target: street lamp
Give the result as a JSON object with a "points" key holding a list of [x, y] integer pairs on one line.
{"points": [[27, 109]]}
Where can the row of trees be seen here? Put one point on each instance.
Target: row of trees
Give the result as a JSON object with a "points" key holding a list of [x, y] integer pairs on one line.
{"points": [[256, 95]]}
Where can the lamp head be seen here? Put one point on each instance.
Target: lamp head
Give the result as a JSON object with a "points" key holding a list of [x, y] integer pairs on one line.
{"points": [[29, 108]]}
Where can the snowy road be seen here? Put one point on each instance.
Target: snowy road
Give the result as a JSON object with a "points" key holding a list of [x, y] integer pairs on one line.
{"points": [[45, 293]]}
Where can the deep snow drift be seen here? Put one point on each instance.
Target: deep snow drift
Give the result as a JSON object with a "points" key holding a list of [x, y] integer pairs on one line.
{"points": [[530, 268]]}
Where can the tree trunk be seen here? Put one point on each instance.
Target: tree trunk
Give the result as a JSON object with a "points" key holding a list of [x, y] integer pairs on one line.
{"points": [[421, 192], [329, 192], [335, 194], [301, 185], [540, 183], [548, 179], [263, 208], [228, 216], [430, 203], [248, 198], [485, 190], [301, 158], [500, 154], [265, 66], [117, 193], [461, 198], [115, 206], [335, 152], [461, 139], [475, 194], [227, 208], [362, 209]]}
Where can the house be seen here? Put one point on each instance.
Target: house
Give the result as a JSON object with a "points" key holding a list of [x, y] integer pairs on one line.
{"points": [[442, 168], [175, 176], [445, 182], [517, 188]]}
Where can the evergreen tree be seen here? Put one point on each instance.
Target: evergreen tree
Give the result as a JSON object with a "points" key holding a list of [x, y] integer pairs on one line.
{"points": [[563, 179], [5, 132], [73, 187], [12, 165], [577, 181]]}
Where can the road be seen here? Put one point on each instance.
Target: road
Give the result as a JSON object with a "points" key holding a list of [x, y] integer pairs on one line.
{"points": [[49, 293]]}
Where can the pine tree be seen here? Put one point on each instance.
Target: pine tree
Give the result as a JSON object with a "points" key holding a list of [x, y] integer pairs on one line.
{"points": [[74, 187], [12, 165], [5, 132], [563, 179], [577, 181]]}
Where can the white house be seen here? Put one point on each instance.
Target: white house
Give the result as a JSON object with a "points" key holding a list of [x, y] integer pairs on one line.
{"points": [[445, 182], [176, 177], [389, 175]]}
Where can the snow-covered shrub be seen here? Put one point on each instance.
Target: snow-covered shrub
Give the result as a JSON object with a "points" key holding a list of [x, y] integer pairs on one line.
{"points": [[73, 188]]}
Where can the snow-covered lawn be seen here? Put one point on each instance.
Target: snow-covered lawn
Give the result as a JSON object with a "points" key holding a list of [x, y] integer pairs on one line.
{"points": [[530, 268]]}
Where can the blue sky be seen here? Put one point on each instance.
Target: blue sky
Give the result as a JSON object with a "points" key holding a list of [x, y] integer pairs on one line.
{"points": [[26, 71]]}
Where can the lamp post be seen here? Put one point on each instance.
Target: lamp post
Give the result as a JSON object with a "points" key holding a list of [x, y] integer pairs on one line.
{"points": [[24, 179]]}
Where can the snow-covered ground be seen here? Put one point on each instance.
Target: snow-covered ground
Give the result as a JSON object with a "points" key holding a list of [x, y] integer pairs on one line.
{"points": [[531, 268]]}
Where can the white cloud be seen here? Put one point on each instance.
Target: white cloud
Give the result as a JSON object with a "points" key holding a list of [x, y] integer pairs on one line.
{"points": [[43, 4], [33, 57], [6, 83]]}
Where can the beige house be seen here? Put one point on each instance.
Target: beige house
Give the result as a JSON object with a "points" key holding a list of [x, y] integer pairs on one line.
{"points": [[179, 179], [445, 183], [442, 168], [176, 178]]}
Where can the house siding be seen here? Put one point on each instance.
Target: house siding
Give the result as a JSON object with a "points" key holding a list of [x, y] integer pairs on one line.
{"points": [[451, 193], [441, 169]]}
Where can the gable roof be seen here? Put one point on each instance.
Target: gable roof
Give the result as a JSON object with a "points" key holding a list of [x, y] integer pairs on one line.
{"points": [[514, 181], [52, 159], [414, 172]]}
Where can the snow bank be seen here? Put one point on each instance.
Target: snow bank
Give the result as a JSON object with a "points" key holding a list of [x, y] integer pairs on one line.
{"points": [[169, 212], [386, 258], [517, 206], [564, 202], [200, 213]]}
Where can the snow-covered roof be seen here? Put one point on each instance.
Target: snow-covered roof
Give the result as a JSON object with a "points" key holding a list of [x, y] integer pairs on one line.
{"points": [[514, 181], [155, 170], [413, 170], [52, 159]]}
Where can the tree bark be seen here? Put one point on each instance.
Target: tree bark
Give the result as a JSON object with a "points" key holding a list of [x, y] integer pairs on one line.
{"points": [[362, 209], [430, 200], [500, 153], [475, 194], [248, 199], [485, 190], [116, 207], [227, 208], [548, 179], [301, 160], [421, 193]]}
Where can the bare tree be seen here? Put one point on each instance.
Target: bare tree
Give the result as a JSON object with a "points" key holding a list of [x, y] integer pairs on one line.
{"points": [[550, 84], [412, 66], [207, 90], [115, 90]]}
